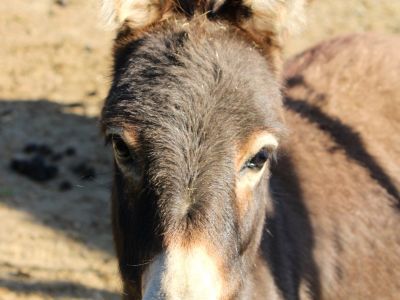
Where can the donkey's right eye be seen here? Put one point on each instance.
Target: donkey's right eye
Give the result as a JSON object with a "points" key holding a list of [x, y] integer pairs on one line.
{"points": [[120, 148], [126, 158]]}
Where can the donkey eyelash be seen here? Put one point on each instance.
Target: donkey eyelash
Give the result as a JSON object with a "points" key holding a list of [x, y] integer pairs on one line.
{"points": [[270, 152], [110, 133]]}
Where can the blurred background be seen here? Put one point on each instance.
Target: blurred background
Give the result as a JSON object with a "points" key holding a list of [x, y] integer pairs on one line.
{"points": [[55, 172]]}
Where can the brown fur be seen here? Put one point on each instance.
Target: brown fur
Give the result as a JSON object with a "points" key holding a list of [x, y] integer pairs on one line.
{"points": [[350, 183], [331, 200]]}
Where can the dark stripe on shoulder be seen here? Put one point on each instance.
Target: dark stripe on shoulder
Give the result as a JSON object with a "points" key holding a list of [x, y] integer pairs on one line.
{"points": [[344, 136]]}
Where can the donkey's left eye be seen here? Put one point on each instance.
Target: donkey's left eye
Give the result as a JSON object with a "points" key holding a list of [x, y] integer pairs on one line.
{"points": [[258, 160]]}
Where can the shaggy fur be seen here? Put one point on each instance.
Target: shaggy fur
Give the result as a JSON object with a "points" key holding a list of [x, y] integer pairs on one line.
{"points": [[323, 221], [187, 189], [272, 16], [267, 22]]}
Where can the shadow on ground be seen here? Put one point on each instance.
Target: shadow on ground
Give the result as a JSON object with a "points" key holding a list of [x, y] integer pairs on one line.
{"points": [[80, 212], [58, 289]]}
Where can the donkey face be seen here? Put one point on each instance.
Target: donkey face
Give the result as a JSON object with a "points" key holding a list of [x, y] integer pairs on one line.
{"points": [[194, 117]]}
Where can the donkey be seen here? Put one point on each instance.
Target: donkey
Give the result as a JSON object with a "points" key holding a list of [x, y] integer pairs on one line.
{"points": [[342, 105], [211, 199]]}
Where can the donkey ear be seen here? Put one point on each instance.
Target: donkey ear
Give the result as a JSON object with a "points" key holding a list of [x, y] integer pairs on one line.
{"points": [[274, 19], [137, 13]]}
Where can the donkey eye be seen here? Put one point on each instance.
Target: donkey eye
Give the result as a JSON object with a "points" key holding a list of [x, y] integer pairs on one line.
{"points": [[258, 160], [126, 158], [120, 148]]}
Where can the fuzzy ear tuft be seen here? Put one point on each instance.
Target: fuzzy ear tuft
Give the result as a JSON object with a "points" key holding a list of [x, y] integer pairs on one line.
{"points": [[274, 18], [264, 18], [138, 13]]}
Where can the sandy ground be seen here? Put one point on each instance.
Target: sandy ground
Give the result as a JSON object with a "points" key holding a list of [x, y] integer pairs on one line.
{"points": [[54, 63]]}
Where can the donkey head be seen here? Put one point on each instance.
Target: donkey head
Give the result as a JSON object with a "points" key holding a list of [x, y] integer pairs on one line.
{"points": [[194, 117]]}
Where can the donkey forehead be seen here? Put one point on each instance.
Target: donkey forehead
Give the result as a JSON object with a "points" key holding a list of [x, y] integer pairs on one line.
{"points": [[187, 136], [178, 83]]}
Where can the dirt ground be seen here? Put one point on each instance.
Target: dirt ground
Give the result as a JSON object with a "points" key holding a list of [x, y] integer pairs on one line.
{"points": [[55, 242]]}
